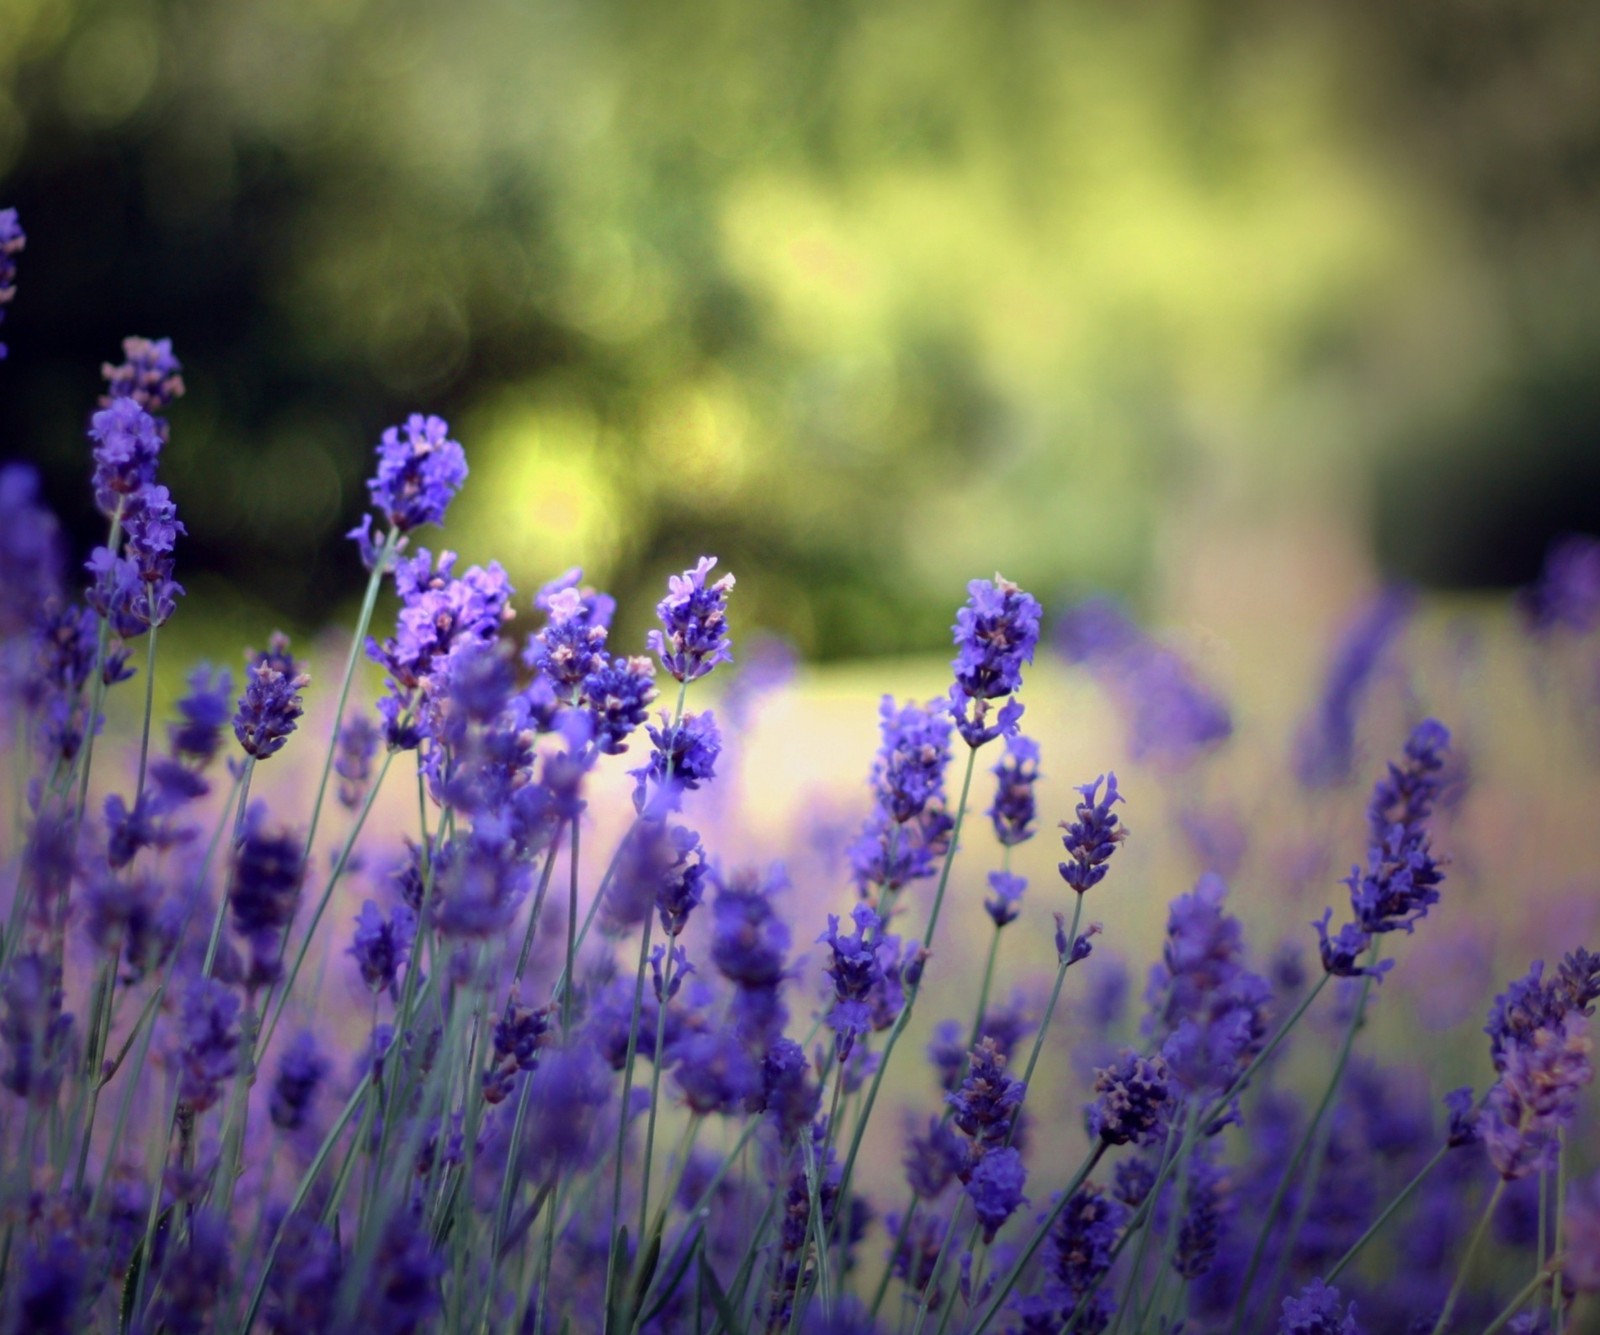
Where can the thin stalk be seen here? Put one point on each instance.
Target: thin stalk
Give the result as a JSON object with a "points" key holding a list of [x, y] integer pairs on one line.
{"points": [[149, 702], [1315, 1133], [1388, 1213], [1529, 1290], [938, 1267], [842, 1209], [622, 1109], [572, 947], [340, 863], [1049, 1011], [1468, 1257], [538, 909], [1557, 1313], [299, 1200], [655, 1084], [1137, 1265], [363, 621]]}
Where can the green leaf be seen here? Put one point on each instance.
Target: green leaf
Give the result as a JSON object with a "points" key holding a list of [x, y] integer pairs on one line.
{"points": [[130, 1281], [726, 1316]]}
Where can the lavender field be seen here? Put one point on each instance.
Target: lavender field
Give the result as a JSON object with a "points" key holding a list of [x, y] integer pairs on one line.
{"points": [[479, 970]]}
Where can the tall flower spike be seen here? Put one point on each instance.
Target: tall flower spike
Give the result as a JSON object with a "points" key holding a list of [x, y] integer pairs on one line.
{"points": [[1093, 837], [572, 644], [12, 241], [694, 619], [1014, 809], [149, 375], [270, 706], [420, 469], [127, 443], [995, 634]]}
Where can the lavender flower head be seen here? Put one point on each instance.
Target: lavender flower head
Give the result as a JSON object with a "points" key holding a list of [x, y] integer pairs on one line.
{"points": [[1567, 594], [572, 643], [1014, 809], [1093, 837], [985, 1105], [995, 1188], [908, 771], [301, 1071], [685, 756], [617, 696], [264, 890], [270, 706], [31, 556], [1133, 1101], [995, 634], [1317, 1310], [127, 444], [859, 967], [149, 375], [694, 619], [12, 242], [207, 1042], [420, 469], [1006, 904], [381, 945]]}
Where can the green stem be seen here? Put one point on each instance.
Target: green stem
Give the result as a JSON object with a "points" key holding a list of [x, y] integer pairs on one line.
{"points": [[1529, 1290], [1388, 1213], [1557, 1313], [149, 703], [368, 602], [572, 940], [655, 1086], [622, 1110], [1468, 1257]]}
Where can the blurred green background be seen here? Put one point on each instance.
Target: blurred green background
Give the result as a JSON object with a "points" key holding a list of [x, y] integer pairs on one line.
{"points": [[867, 299]]}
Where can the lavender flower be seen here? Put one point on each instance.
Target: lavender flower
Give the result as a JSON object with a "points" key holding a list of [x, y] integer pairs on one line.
{"points": [[617, 696], [50, 1294], [270, 706], [859, 967], [685, 757], [301, 1070], [1014, 810], [1093, 837], [694, 619], [988, 1099], [193, 1277], [995, 1189], [1567, 594], [908, 772], [1324, 749], [149, 375], [13, 240], [1083, 1238], [37, 1035], [128, 442], [207, 1042], [382, 944], [995, 634], [264, 891], [352, 761], [572, 644], [1133, 1101], [420, 469], [1318, 1311], [934, 1160], [1007, 901], [31, 554], [715, 1073], [204, 712]]}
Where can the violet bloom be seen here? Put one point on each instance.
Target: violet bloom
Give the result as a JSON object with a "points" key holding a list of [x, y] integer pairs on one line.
{"points": [[1402, 876], [50, 1284], [685, 756], [858, 968], [204, 713], [36, 1034], [1208, 1008], [995, 1189], [1093, 837], [715, 1073], [694, 619], [193, 1277], [1324, 748], [1007, 901], [352, 761], [519, 1033], [207, 1042], [1083, 1238], [420, 469], [750, 947], [264, 891], [1014, 809], [1205, 1210], [908, 771], [270, 707], [986, 1103], [1540, 1046], [301, 1070], [572, 644], [1567, 593], [149, 374], [1317, 1310], [934, 1160], [618, 696], [1133, 1101], [128, 442], [13, 240], [381, 945], [995, 634], [32, 560]]}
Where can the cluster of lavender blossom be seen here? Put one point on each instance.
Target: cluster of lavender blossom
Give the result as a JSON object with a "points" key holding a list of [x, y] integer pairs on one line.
{"points": [[517, 1131]]}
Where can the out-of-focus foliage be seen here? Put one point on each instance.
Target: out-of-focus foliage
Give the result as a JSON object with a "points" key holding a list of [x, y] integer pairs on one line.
{"points": [[867, 299]]}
